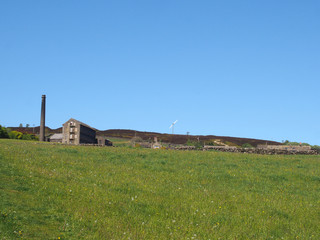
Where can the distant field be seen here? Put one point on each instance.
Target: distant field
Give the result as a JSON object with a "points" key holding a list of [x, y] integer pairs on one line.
{"points": [[72, 192], [120, 142]]}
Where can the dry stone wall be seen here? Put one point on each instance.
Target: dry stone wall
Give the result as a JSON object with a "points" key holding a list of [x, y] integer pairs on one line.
{"points": [[262, 150], [268, 151]]}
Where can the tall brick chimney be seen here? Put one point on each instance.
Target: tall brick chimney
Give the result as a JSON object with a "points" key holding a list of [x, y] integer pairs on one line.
{"points": [[43, 119]]}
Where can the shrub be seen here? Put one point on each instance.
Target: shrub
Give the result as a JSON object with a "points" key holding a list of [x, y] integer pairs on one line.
{"points": [[287, 142], [197, 144], [3, 132], [15, 135], [7, 133], [27, 136], [316, 147], [137, 145], [247, 145]]}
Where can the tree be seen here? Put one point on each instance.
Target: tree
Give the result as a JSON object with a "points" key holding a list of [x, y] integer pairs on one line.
{"points": [[286, 142], [20, 125], [27, 125], [15, 135], [3, 132], [7, 133]]}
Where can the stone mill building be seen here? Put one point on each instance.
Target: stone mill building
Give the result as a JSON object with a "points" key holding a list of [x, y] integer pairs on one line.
{"points": [[76, 132]]}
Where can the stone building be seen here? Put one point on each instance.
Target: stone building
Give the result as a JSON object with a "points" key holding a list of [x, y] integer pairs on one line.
{"points": [[102, 141], [76, 132], [57, 137], [156, 144]]}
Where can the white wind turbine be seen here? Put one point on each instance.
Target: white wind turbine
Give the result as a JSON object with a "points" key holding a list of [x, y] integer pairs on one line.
{"points": [[172, 126]]}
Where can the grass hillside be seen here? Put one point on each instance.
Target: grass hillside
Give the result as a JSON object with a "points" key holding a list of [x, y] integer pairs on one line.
{"points": [[72, 192]]}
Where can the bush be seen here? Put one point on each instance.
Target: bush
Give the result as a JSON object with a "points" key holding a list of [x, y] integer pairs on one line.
{"points": [[316, 147], [198, 145], [15, 135], [7, 133], [137, 145], [3, 132], [27, 136], [247, 145], [287, 142]]}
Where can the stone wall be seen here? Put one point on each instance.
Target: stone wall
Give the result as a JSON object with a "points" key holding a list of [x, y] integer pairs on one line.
{"points": [[269, 151], [285, 147]]}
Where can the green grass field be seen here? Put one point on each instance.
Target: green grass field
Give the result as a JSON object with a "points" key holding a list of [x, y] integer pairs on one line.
{"points": [[72, 192], [120, 142]]}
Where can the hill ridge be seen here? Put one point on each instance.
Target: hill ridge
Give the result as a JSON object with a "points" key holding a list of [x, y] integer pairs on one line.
{"points": [[163, 137]]}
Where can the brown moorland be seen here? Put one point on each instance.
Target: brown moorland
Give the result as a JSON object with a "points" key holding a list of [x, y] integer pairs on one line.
{"points": [[162, 137]]}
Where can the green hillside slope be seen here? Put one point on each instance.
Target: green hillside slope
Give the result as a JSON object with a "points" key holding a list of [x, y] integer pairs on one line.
{"points": [[72, 192]]}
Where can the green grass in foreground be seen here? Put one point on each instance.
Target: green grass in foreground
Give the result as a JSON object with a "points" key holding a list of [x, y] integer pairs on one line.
{"points": [[72, 192]]}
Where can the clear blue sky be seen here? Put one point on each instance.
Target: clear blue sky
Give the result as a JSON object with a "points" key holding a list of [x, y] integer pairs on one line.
{"points": [[231, 68]]}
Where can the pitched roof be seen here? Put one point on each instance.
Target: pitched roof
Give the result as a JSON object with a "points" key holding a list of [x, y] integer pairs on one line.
{"points": [[72, 119], [56, 136]]}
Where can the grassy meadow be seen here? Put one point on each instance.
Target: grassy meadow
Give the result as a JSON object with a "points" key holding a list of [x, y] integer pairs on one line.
{"points": [[78, 192]]}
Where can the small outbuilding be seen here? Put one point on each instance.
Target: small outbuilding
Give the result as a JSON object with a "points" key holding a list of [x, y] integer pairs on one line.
{"points": [[156, 144], [57, 137], [102, 141]]}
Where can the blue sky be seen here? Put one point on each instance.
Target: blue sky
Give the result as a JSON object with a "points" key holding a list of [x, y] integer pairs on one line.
{"points": [[230, 68]]}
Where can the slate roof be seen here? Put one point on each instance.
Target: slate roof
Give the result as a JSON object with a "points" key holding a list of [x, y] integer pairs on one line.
{"points": [[75, 120], [56, 136]]}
